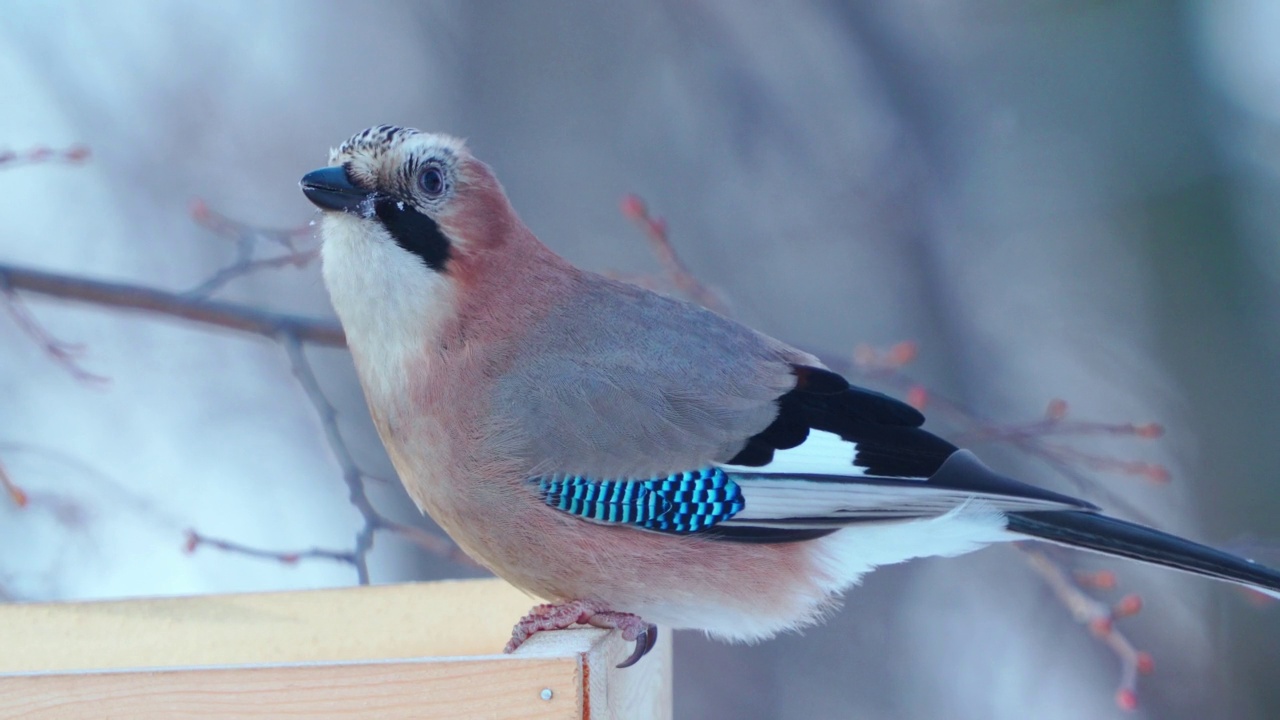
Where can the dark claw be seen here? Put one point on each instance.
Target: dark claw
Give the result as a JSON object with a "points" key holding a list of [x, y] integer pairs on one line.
{"points": [[644, 643]]}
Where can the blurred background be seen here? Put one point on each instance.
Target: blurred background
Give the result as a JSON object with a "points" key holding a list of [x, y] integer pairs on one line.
{"points": [[1052, 199]]}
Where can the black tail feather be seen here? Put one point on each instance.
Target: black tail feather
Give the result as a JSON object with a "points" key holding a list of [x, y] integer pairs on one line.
{"points": [[1110, 536]]}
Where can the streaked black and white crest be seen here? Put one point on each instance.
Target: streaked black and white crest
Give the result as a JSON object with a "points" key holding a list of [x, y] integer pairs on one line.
{"points": [[372, 140], [410, 177]]}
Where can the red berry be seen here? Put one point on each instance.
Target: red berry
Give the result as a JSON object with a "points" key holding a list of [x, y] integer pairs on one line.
{"points": [[199, 210], [903, 353], [1128, 605], [1150, 430], [1056, 410], [1157, 474], [1104, 579], [1100, 626], [917, 397], [633, 207]]}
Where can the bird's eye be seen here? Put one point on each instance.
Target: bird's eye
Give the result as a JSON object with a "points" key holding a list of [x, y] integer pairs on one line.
{"points": [[432, 181]]}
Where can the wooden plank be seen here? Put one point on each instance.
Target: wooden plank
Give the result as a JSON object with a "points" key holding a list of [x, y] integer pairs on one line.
{"points": [[369, 652], [471, 617], [495, 688], [640, 692]]}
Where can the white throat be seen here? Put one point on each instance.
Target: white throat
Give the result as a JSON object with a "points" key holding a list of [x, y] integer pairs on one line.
{"points": [[392, 306]]}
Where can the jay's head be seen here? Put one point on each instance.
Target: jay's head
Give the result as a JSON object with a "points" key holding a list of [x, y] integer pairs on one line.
{"points": [[415, 229], [404, 197]]}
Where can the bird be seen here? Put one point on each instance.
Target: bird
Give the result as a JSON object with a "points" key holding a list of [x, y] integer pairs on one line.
{"points": [[631, 458]]}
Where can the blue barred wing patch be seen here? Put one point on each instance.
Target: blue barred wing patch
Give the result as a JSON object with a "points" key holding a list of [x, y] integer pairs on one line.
{"points": [[680, 503]]}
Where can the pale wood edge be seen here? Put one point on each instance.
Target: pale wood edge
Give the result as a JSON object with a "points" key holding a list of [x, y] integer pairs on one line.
{"points": [[640, 692], [447, 618], [576, 666], [490, 687]]}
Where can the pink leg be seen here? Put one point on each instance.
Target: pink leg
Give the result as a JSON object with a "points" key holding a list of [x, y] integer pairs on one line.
{"points": [[586, 612]]}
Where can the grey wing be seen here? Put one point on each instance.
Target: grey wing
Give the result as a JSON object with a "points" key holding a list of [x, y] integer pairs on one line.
{"points": [[618, 381], [640, 409]]}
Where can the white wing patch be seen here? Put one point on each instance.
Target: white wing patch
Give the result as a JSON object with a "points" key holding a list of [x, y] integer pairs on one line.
{"points": [[822, 453], [783, 494], [783, 502]]}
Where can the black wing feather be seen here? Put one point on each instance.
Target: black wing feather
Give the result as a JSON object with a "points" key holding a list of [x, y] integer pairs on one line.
{"points": [[1113, 536], [887, 431], [892, 451]]}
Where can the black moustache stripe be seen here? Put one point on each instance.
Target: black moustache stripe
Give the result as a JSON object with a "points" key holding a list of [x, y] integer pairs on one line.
{"points": [[414, 231]]}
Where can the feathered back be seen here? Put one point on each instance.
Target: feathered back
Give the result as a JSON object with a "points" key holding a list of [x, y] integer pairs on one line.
{"points": [[612, 361]]}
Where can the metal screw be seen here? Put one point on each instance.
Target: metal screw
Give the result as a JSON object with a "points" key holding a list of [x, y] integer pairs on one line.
{"points": [[546, 694]]}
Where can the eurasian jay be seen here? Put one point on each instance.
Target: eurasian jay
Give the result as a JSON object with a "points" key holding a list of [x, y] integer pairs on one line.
{"points": [[630, 457]]}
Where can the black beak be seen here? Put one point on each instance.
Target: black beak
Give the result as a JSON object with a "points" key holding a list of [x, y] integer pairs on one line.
{"points": [[330, 189]]}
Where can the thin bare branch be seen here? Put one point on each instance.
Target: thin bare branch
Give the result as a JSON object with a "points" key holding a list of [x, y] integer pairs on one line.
{"points": [[62, 353], [1100, 618], [1067, 462], [292, 331], [247, 239], [73, 155], [16, 494], [247, 265], [159, 302], [355, 478], [237, 231], [289, 557], [433, 543], [655, 229], [351, 473]]}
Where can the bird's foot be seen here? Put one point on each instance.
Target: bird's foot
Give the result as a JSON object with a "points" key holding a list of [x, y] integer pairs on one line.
{"points": [[587, 612]]}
